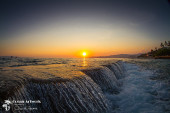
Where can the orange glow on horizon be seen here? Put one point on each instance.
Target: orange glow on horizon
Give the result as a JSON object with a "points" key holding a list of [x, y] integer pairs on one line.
{"points": [[64, 53]]}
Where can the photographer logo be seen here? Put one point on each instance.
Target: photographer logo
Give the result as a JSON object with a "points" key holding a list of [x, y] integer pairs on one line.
{"points": [[6, 105]]}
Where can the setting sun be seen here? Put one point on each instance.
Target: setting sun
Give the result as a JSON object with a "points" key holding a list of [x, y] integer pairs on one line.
{"points": [[84, 54]]}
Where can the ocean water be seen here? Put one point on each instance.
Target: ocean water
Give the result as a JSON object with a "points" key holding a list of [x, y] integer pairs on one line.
{"points": [[91, 85]]}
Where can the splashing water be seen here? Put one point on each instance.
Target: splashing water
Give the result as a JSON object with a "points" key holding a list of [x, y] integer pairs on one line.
{"points": [[100, 86]]}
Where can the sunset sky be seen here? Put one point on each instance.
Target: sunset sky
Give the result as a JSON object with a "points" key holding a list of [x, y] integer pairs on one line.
{"points": [[65, 28]]}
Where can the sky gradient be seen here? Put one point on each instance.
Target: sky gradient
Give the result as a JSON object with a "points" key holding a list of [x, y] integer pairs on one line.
{"points": [[65, 28]]}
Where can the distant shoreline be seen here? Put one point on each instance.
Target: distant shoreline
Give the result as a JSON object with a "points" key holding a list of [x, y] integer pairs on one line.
{"points": [[156, 57], [162, 57]]}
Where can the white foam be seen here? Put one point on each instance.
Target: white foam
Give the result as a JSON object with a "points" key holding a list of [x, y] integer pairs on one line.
{"points": [[138, 93]]}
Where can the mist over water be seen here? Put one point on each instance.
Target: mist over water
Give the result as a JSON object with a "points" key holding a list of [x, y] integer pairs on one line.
{"points": [[87, 85]]}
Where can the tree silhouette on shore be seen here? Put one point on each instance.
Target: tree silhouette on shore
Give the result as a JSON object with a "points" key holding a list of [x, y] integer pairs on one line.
{"points": [[164, 50]]}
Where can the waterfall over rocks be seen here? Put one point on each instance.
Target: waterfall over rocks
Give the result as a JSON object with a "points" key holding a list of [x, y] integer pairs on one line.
{"points": [[83, 94], [75, 96], [105, 78], [100, 86]]}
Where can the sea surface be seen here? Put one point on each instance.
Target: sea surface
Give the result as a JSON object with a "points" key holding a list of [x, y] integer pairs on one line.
{"points": [[84, 85]]}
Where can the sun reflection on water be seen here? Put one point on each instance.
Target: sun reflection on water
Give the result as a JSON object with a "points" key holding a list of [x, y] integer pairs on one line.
{"points": [[84, 62]]}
